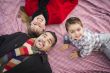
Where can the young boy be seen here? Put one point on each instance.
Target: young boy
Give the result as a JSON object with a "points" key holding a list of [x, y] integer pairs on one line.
{"points": [[85, 40], [32, 46]]}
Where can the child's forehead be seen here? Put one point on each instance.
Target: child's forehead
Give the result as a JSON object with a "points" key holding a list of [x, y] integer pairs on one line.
{"points": [[74, 25]]}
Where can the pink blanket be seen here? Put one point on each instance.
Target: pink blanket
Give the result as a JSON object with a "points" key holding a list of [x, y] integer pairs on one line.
{"points": [[95, 15]]}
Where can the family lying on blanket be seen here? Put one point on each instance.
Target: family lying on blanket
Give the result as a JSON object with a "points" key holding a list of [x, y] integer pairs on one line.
{"points": [[26, 53], [85, 40]]}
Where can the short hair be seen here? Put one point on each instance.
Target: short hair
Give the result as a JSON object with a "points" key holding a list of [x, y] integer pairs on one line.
{"points": [[42, 10], [72, 21], [55, 37], [44, 13]]}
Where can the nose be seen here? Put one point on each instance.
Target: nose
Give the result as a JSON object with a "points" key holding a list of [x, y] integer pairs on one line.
{"points": [[46, 39], [43, 40], [39, 24], [76, 33]]}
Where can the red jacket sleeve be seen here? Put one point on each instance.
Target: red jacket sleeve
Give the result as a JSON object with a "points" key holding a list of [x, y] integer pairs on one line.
{"points": [[31, 6], [59, 9]]}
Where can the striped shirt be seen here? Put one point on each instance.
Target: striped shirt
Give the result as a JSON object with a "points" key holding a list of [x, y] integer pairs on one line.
{"points": [[89, 42]]}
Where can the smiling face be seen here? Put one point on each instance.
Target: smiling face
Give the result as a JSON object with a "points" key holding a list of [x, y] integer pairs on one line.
{"points": [[75, 31], [38, 24], [45, 41]]}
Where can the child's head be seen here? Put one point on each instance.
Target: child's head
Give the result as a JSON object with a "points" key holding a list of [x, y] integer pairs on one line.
{"points": [[46, 40], [74, 27]]}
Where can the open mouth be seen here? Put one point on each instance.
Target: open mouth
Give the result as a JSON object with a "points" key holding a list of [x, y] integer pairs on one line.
{"points": [[77, 36]]}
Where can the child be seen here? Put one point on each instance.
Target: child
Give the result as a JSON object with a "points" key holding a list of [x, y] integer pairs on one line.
{"points": [[32, 46], [85, 40]]}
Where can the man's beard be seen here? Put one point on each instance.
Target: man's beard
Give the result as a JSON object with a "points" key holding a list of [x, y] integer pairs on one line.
{"points": [[32, 34]]}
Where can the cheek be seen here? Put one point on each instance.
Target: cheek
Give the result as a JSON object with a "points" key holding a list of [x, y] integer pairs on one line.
{"points": [[32, 24], [47, 46], [71, 34], [34, 27], [43, 25], [81, 32]]}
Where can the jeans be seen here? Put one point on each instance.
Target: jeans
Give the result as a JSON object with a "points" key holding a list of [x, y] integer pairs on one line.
{"points": [[105, 40], [3, 61]]}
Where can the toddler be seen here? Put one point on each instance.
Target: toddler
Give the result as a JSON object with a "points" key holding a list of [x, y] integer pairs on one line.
{"points": [[85, 40]]}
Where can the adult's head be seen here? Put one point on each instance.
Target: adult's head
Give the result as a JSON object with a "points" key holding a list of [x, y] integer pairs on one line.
{"points": [[38, 22], [46, 40]]}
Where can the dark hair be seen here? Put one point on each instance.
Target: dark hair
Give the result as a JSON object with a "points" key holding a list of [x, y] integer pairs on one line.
{"points": [[42, 10], [42, 3], [72, 21], [45, 14], [54, 35]]}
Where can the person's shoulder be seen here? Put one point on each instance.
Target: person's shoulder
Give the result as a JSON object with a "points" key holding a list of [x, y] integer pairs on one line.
{"points": [[88, 31], [88, 34], [21, 33]]}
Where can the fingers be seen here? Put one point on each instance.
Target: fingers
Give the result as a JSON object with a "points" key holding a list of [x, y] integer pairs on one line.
{"points": [[64, 47], [74, 55]]}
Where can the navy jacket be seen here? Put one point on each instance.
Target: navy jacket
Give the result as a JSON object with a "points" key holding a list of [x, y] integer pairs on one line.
{"points": [[37, 63]]}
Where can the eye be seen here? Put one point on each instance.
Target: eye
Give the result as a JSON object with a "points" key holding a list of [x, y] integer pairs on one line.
{"points": [[45, 35], [72, 31], [49, 41], [78, 29]]}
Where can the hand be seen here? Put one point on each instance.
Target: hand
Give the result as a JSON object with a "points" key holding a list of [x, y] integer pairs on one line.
{"points": [[74, 54], [64, 47]]}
